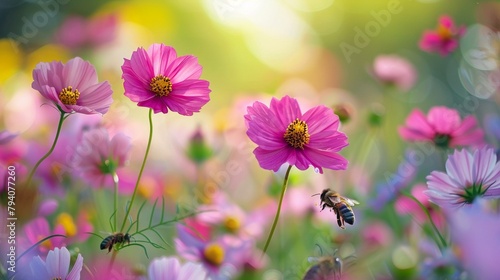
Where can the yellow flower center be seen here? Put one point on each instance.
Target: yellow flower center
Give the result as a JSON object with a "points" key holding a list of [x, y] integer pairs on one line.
{"points": [[444, 32], [296, 134], [214, 254], [69, 96], [232, 224], [161, 85], [68, 224]]}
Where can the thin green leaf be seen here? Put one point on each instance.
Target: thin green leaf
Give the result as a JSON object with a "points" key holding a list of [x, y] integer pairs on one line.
{"points": [[152, 212], [139, 213]]}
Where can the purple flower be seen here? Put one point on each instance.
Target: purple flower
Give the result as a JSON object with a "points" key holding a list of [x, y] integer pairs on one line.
{"points": [[170, 268], [285, 135], [160, 80], [468, 176], [476, 231], [97, 157], [73, 86], [56, 266]]}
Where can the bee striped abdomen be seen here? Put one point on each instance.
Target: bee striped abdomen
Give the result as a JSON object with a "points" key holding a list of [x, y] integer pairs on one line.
{"points": [[347, 214], [106, 242]]}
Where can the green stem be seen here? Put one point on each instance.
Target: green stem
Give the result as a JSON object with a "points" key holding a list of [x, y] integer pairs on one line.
{"points": [[142, 169], [115, 183], [441, 238], [285, 183], [59, 126]]}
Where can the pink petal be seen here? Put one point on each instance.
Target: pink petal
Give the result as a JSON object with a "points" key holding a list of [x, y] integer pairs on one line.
{"points": [[162, 57], [444, 120], [328, 159], [286, 110], [319, 119], [184, 68], [271, 159], [79, 74]]}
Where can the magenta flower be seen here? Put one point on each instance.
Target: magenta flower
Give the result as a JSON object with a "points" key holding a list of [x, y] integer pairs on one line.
{"points": [[444, 39], [394, 70], [97, 157], [468, 176], [56, 266], [285, 135], [170, 268], [160, 80], [73, 86], [442, 126]]}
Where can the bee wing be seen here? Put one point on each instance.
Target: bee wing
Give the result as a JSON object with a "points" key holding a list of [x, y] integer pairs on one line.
{"points": [[334, 199], [351, 202]]}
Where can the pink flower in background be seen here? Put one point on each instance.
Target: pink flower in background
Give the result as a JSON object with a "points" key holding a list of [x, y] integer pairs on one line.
{"points": [[97, 157], [6, 136], [56, 266], [166, 268], [160, 80], [221, 257], [394, 70], [468, 176], [73, 86], [376, 235], [285, 135], [407, 206], [442, 126], [76, 31], [444, 39], [231, 219], [38, 229]]}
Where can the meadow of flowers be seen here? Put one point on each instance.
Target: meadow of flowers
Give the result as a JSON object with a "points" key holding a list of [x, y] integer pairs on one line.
{"points": [[196, 139]]}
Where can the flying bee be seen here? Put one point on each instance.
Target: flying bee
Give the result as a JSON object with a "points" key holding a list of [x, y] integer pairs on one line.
{"points": [[117, 238], [340, 205]]}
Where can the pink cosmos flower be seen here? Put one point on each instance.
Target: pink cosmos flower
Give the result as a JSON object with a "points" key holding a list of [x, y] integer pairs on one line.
{"points": [[444, 39], [405, 205], [56, 266], [166, 268], [442, 126], [6, 136], [160, 80], [76, 31], [468, 176], [221, 257], [285, 135], [97, 157], [73, 86], [38, 229], [394, 70]]}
